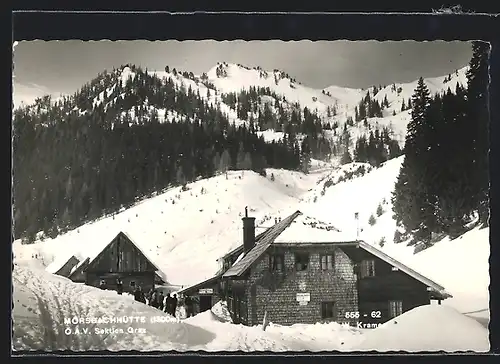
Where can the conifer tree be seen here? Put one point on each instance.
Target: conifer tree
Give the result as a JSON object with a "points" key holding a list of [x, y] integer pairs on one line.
{"points": [[478, 115], [413, 204]]}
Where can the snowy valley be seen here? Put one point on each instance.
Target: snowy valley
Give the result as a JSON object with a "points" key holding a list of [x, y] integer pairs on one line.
{"points": [[167, 232], [185, 228]]}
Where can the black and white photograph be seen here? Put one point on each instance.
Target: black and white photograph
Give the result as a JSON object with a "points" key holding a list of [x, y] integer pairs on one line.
{"points": [[250, 196]]}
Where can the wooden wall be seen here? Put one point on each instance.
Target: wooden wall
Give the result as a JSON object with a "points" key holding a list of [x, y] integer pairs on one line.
{"points": [[388, 285], [121, 256], [144, 279]]}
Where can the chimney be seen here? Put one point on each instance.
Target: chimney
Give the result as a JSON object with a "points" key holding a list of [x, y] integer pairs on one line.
{"points": [[248, 232]]}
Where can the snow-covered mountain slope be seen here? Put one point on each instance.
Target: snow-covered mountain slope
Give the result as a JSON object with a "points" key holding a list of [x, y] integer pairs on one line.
{"points": [[355, 188], [333, 104], [461, 264], [399, 92], [183, 229], [234, 78], [346, 96]]}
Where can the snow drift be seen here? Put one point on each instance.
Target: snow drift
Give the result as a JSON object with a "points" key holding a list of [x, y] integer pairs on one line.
{"points": [[42, 303], [428, 328]]}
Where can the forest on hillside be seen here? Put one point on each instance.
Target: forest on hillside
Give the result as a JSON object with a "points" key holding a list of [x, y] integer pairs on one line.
{"points": [[444, 180], [76, 160]]}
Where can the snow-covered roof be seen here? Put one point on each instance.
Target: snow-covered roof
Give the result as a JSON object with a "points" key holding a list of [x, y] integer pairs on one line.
{"points": [[306, 229], [77, 266], [412, 273], [59, 262], [298, 229], [159, 271], [93, 252], [260, 248]]}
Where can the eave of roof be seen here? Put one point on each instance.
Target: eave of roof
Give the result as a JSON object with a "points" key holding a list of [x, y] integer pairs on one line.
{"points": [[239, 249], [412, 273], [272, 233], [201, 284]]}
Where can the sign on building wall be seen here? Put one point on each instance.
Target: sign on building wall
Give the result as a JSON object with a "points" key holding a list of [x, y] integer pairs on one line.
{"points": [[206, 291], [303, 297]]}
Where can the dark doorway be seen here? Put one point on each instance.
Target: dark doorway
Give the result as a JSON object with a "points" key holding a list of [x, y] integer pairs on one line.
{"points": [[205, 303]]}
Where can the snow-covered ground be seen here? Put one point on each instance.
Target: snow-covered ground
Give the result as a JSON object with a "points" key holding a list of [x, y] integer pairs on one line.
{"points": [[52, 313], [428, 328], [43, 302], [206, 218]]}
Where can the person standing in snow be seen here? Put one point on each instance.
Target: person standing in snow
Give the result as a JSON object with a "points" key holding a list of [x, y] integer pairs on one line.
{"points": [[161, 298], [119, 286], [154, 299], [149, 297], [174, 304], [139, 295], [142, 296], [188, 302], [168, 304]]}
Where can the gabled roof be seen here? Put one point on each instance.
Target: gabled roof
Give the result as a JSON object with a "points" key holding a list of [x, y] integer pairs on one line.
{"points": [[419, 277], [74, 260], [253, 255], [59, 262], [126, 236], [82, 264], [237, 251], [259, 249]]}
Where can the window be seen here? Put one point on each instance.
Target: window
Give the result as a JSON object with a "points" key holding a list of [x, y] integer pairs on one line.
{"points": [[301, 261], [367, 268], [327, 262], [395, 308], [132, 283], [276, 262], [328, 310]]}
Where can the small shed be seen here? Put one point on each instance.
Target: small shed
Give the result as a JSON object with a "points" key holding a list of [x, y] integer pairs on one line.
{"points": [[205, 294]]}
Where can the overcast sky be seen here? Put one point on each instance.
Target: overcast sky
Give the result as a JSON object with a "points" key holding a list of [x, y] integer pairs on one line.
{"points": [[64, 66]]}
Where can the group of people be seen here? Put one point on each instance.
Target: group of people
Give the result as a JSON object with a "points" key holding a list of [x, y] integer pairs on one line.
{"points": [[168, 304], [139, 295], [156, 299]]}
